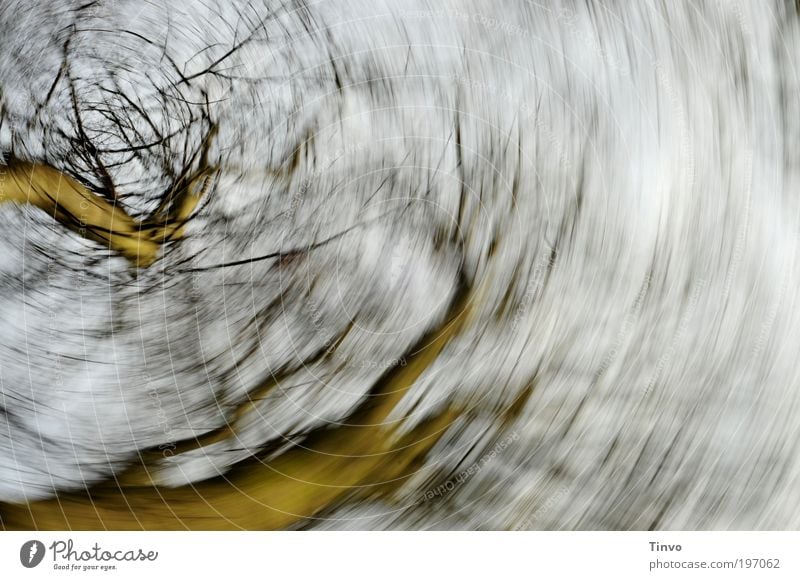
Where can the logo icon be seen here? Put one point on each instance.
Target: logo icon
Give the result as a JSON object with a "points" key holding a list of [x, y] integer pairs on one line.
{"points": [[31, 553]]}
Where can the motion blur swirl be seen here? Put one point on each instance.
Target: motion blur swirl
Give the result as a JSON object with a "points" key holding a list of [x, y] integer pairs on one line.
{"points": [[399, 264]]}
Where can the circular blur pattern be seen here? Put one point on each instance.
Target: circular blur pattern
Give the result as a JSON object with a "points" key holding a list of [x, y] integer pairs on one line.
{"points": [[397, 264]]}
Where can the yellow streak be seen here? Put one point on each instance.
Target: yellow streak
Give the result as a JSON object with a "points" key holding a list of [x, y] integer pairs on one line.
{"points": [[360, 456], [94, 217]]}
